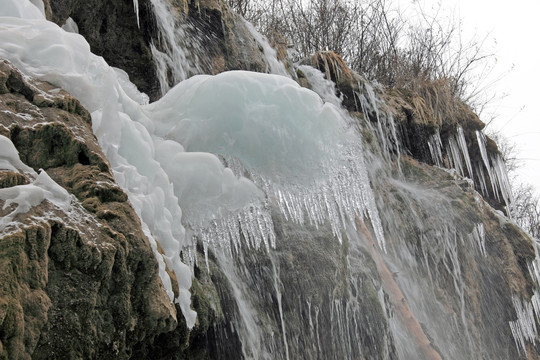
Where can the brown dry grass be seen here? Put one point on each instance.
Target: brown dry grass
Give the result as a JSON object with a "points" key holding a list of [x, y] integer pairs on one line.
{"points": [[433, 102], [333, 66]]}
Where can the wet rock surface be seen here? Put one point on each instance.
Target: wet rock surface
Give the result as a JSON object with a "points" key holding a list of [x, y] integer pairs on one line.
{"points": [[430, 222], [111, 29], [85, 284]]}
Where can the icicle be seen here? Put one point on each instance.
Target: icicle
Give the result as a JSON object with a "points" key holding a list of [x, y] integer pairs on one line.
{"points": [[454, 156], [481, 179], [518, 337], [457, 153], [481, 137], [435, 148], [136, 7], [479, 236], [339, 198], [498, 175], [524, 328], [535, 301], [462, 143], [501, 178], [253, 223], [528, 313]]}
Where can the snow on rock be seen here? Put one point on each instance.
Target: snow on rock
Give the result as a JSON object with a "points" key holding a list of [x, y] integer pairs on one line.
{"points": [[27, 196], [64, 59], [9, 157], [22, 9], [71, 26], [40, 5]]}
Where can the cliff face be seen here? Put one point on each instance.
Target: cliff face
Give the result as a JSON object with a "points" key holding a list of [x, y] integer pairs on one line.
{"points": [[112, 30], [425, 121], [77, 284], [81, 281], [443, 233], [207, 28]]}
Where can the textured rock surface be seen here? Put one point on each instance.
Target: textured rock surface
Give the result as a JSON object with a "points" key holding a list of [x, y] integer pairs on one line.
{"points": [[110, 27], [229, 45], [428, 217], [83, 285], [334, 301]]}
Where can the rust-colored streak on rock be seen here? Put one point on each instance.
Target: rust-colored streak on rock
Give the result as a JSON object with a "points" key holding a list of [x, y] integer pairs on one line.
{"points": [[398, 299]]}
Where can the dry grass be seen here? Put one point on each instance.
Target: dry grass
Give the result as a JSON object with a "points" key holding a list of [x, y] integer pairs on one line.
{"points": [[333, 66], [428, 103], [434, 102], [279, 42]]}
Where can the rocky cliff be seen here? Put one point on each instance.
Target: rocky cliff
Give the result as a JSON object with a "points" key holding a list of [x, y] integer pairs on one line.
{"points": [[81, 283], [124, 36], [455, 277]]}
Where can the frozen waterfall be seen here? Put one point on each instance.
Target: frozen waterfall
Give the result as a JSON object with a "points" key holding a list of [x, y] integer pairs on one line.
{"points": [[299, 150], [323, 249]]}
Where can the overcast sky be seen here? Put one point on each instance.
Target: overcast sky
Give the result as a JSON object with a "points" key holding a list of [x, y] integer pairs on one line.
{"points": [[512, 30]]}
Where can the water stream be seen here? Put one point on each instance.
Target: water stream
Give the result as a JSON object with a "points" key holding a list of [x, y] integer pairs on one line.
{"points": [[397, 282], [318, 247]]}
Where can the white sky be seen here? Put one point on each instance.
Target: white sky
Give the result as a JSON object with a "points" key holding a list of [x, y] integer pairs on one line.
{"points": [[513, 30]]}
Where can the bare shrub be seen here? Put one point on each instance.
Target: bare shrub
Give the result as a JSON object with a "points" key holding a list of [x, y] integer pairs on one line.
{"points": [[377, 41], [525, 209]]}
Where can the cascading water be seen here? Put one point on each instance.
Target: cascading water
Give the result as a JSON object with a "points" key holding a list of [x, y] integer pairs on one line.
{"points": [[317, 250], [173, 62], [179, 51], [374, 106]]}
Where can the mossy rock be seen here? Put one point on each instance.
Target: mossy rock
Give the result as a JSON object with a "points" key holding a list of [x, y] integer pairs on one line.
{"points": [[10, 178]]}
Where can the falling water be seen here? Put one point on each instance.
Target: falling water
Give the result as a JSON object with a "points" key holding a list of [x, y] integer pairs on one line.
{"points": [[273, 65], [374, 106], [136, 8], [173, 62]]}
